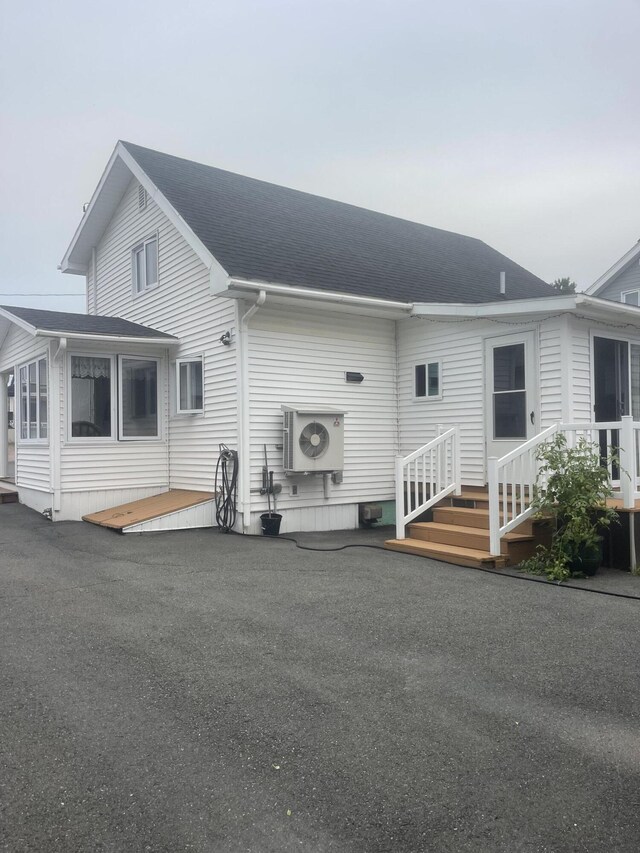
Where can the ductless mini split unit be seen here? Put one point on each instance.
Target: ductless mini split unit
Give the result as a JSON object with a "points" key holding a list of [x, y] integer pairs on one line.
{"points": [[313, 439]]}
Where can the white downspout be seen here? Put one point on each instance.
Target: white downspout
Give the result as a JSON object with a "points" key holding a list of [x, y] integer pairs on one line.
{"points": [[244, 420], [56, 399], [4, 424], [94, 275]]}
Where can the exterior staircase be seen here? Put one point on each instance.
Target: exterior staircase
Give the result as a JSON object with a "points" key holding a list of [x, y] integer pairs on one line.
{"points": [[459, 533]]}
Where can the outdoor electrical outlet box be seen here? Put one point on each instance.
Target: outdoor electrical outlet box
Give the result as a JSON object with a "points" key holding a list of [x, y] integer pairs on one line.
{"points": [[336, 478]]}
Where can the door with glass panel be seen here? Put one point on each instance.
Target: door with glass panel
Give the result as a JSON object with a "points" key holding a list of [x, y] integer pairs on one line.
{"points": [[511, 384]]}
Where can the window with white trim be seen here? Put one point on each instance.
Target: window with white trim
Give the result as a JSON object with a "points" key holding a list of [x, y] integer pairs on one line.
{"points": [[145, 265], [189, 387], [91, 396], [138, 397], [630, 297], [426, 381], [33, 382]]}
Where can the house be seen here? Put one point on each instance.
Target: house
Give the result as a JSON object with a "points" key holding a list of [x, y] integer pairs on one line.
{"points": [[216, 301]]}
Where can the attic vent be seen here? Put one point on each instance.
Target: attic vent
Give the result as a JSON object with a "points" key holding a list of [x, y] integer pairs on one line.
{"points": [[142, 197]]}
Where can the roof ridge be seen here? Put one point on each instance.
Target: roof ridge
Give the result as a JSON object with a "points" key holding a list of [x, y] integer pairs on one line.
{"points": [[347, 204]]}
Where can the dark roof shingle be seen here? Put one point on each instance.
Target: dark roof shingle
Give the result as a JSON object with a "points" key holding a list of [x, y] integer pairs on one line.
{"points": [[62, 322], [263, 232]]}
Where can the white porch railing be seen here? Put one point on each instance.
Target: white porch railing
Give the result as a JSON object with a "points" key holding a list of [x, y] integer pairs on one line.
{"points": [[512, 478], [426, 476]]}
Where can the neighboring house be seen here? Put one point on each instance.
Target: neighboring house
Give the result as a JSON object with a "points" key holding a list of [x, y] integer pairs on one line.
{"points": [[214, 300]]}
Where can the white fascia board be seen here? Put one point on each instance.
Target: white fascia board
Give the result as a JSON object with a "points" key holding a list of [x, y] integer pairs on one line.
{"points": [[119, 339], [18, 322], [65, 266], [239, 288], [545, 305], [631, 255]]}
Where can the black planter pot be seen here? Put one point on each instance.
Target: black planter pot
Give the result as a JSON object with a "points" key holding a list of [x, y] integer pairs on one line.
{"points": [[270, 523], [587, 561]]}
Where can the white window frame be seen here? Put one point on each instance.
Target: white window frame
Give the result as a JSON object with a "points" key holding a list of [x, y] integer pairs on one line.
{"points": [[142, 248], [427, 397], [17, 416], [159, 386], [97, 439], [188, 360], [625, 293]]}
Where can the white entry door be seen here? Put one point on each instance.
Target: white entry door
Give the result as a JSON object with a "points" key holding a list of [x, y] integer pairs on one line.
{"points": [[511, 392]]}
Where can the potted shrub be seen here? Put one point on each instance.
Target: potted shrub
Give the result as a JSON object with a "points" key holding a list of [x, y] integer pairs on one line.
{"points": [[571, 491]]}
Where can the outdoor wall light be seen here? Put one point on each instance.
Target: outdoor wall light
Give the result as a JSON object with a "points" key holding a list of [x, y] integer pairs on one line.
{"points": [[353, 377]]}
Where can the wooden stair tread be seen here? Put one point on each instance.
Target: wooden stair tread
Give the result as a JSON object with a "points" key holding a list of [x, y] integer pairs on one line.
{"points": [[448, 553], [119, 517], [467, 531]]}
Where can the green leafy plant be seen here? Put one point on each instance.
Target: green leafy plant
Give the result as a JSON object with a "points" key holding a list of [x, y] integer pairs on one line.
{"points": [[572, 491]]}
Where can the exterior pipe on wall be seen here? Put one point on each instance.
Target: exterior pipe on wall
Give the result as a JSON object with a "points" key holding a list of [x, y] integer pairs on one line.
{"points": [[244, 426], [503, 284]]}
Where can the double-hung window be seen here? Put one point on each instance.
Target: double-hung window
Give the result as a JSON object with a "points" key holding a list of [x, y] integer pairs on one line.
{"points": [[189, 386], [145, 265], [33, 381]]}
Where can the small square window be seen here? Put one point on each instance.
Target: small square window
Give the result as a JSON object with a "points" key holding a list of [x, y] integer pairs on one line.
{"points": [[631, 297], [145, 265], [189, 386], [427, 381]]}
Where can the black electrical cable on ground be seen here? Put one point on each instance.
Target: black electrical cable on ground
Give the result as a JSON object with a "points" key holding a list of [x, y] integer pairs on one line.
{"points": [[522, 577], [226, 489]]}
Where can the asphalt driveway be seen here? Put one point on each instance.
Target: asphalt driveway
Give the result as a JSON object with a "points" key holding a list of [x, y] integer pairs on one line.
{"points": [[201, 692]]}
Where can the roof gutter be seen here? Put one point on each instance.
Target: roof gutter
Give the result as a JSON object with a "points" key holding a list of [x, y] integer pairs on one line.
{"points": [[496, 309], [238, 287], [120, 339]]}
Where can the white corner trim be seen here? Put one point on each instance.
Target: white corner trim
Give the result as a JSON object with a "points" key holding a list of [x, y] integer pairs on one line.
{"points": [[634, 252]]}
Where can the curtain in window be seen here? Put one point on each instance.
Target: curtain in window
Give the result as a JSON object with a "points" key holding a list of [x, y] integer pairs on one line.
{"points": [[87, 367]]}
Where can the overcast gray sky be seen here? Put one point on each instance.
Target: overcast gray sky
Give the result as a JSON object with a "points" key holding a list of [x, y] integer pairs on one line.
{"points": [[515, 121]]}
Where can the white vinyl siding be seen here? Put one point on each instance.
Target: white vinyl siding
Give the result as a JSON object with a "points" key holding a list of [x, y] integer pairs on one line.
{"points": [[299, 358], [181, 305], [459, 347], [551, 366]]}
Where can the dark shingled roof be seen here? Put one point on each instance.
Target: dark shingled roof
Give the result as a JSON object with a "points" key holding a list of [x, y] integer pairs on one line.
{"points": [[264, 232], [82, 324]]}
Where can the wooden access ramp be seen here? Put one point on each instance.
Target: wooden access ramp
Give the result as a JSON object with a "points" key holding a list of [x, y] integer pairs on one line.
{"points": [[177, 509], [8, 495]]}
